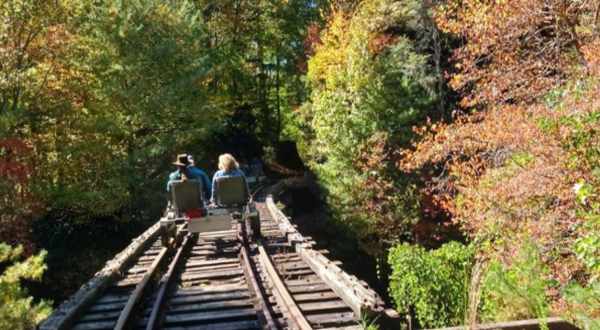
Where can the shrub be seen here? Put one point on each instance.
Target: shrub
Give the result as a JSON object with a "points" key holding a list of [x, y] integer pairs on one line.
{"points": [[435, 283]]}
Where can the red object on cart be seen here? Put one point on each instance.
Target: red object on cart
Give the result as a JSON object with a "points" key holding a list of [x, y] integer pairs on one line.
{"points": [[194, 212]]}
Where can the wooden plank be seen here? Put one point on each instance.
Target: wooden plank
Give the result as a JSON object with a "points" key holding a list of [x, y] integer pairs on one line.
{"points": [[240, 325], [210, 267], [223, 252], [207, 306], [148, 259], [325, 306], [104, 316], [210, 297], [352, 327], [137, 270], [212, 262], [292, 255], [188, 276], [104, 325], [127, 283], [335, 319], [320, 296], [214, 244], [303, 281], [310, 277], [291, 265], [211, 289], [179, 319], [308, 288], [110, 307], [219, 281], [296, 273], [297, 262]]}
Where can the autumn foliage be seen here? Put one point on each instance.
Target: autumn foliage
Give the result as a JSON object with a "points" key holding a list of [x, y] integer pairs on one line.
{"points": [[519, 164], [18, 201], [517, 50]]}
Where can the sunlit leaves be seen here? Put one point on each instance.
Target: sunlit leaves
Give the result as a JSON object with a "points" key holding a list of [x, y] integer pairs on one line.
{"points": [[516, 51], [434, 283], [18, 310], [522, 166], [369, 85]]}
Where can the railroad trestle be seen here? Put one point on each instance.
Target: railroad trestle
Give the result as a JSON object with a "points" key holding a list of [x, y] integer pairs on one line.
{"points": [[231, 279]]}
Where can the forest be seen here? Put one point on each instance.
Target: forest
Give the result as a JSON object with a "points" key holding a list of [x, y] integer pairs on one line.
{"points": [[456, 141]]}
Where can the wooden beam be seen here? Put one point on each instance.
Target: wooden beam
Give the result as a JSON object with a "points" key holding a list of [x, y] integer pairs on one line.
{"points": [[68, 312], [553, 323], [361, 300]]}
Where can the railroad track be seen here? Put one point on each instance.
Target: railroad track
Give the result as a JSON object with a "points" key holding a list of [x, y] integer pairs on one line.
{"points": [[221, 280]]}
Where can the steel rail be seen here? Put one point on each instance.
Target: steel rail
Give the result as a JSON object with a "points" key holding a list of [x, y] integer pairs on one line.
{"points": [[141, 287], [166, 283], [281, 293], [139, 290], [261, 305]]}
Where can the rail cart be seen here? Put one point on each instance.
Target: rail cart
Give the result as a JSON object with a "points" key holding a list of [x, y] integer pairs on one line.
{"points": [[232, 204]]}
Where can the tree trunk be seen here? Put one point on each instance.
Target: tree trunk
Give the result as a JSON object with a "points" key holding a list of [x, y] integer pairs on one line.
{"points": [[277, 84]]}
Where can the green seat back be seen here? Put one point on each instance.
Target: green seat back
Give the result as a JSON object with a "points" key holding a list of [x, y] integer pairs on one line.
{"points": [[186, 194], [231, 191]]}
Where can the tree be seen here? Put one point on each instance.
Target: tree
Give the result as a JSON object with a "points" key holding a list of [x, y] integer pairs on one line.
{"points": [[261, 43], [32, 38], [506, 169], [517, 51], [370, 85], [18, 310]]}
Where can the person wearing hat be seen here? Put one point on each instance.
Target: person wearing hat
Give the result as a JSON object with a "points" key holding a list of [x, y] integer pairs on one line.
{"points": [[205, 180], [183, 172]]}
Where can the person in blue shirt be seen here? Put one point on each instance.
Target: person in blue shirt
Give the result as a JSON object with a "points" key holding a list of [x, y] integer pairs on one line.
{"points": [[182, 173], [228, 166], [205, 180]]}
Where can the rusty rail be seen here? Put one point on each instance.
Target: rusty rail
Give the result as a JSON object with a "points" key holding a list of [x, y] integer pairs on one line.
{"points": [[284, 299], [261, 304], [125, 316], [166, 284]]}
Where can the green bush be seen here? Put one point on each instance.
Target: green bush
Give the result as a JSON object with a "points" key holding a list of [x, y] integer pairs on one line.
{"points": [[435, 283]]}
